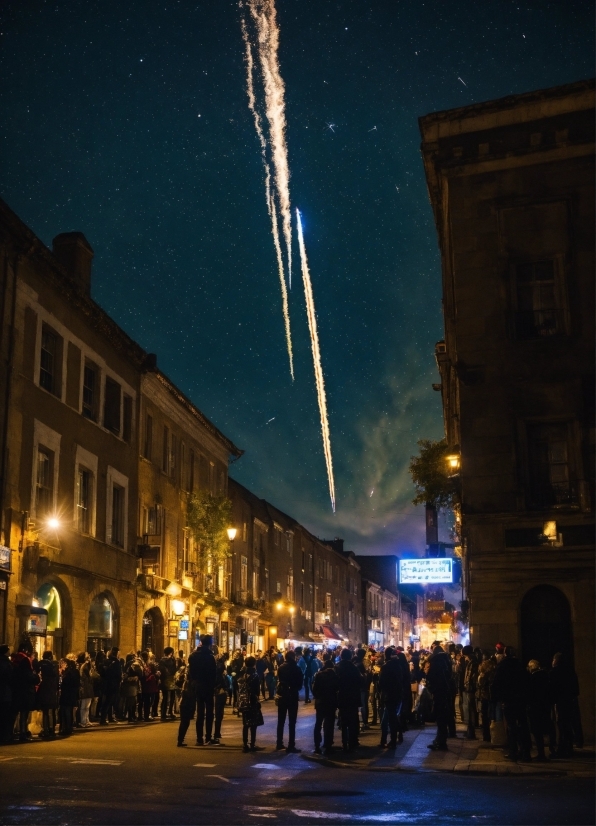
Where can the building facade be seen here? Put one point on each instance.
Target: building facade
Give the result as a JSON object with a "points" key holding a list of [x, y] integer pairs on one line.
{"points": [[511, 184], [70, 388]]}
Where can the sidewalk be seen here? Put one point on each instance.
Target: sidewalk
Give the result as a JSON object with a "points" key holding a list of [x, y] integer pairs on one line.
{"points": [[473, 757]]}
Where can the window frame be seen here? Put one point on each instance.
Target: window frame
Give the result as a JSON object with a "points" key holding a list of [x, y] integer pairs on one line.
{"points": [[115, 478], [87, 461]]}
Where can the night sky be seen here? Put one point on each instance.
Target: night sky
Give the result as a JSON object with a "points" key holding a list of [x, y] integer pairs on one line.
{"points": [[129, 122]]}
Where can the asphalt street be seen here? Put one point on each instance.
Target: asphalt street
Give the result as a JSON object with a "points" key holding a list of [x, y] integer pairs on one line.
{"points": [[137, 775]]}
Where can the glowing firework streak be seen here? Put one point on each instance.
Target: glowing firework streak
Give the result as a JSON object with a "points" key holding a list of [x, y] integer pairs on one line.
{"points": [[263, 13], [268, 196], [316, 355]]}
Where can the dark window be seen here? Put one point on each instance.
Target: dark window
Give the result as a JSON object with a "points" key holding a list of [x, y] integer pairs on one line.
{"points": [[148, 446], [48, 362], [127, 418], [539, 314], [84, 483], [111, 414], [44, 494], [551, 484], [90, 391], [117, 516], [191, 472], [153, 527], [173, 456], [165, 456]]}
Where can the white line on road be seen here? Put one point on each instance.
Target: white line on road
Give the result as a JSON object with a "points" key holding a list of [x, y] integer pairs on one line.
{"points": [[221, 777], [273, 766], [91, 762], [205, 765]]}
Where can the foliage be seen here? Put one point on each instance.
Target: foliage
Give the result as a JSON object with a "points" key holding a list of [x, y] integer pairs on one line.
{"points": [[429, 474], [208, 517]]}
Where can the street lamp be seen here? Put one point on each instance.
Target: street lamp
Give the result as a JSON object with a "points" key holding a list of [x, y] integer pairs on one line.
{"points": [[53, 523], [232, 534]]}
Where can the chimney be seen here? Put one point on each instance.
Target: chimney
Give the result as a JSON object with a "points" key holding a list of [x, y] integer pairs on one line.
{"points": [[74, 252]]}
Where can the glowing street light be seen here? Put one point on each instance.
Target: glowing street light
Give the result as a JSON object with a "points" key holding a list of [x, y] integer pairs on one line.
{"points": [[53, 523], [232, 534]]}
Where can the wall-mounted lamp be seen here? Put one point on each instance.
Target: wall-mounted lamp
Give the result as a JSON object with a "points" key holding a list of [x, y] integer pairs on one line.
{"points": [[232, 534]]}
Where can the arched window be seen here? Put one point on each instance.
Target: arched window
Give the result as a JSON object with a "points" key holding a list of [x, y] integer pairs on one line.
{"points": [[100, 634], [48, 597]]}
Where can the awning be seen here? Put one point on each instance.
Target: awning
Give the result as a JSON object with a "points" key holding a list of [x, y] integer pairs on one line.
{"points": [[329, 633]]}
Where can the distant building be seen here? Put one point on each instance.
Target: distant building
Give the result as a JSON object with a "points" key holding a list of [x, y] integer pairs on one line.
{"points": [[511, 184], [389, 610]]}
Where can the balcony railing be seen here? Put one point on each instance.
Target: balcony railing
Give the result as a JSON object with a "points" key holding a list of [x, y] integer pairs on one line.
{"points": [[246, 598], [539, 323], [555, 495]]}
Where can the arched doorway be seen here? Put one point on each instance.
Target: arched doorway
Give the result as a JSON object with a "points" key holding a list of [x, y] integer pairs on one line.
{"points": [[101, 634], [545, 625], [152, 632], [48, 597]]}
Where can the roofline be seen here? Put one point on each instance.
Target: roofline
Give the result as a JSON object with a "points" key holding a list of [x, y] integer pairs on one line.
{"points": [[507, 102]]}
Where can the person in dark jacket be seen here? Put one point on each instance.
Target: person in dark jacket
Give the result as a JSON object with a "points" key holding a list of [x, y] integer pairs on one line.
{"points": [[249, 688], [406, 702], [539, 706], [359, 661], [70, 686], [47, 693], [348, 699], [391, 689], [131, 686], [24, 680], [324, 690], [5, 695], [221, 695], [111, 676], [289, 683], [564, 691], [235, 671], [203, 672], [470, 686], [263, 666], [167, 683], [510, 687], [438, 681]]}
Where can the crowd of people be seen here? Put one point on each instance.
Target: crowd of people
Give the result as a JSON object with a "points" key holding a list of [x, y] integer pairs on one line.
{"points": [[496, 697]]}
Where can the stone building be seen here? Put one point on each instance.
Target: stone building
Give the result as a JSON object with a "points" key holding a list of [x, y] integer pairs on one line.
{"points": [[288, 587], [180, 452], [511, 184], [69, 384]]}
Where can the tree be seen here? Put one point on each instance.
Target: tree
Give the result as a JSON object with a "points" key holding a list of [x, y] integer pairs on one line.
{"points": [[208, 518], [429, 474]]}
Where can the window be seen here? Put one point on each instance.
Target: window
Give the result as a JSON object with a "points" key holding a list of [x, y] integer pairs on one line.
{"points": [[255, 583], [117, 523], [183, 474], [44, 493], [152, 525], [127, 418], [278, 588], [244, 531], [328, 605], [173, 456], [266, 583], [90, 390], [49, 365], [276, 535], [550, 472], [310, 563], [290, 586], [303, 560], [165, 453], [191, 471], [302, 594], [243, 573], [84, 499], [148, 445], [111, 411], [539, 311]]}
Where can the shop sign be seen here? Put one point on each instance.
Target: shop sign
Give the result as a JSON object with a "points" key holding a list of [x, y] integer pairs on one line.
{"points": [[420, 571], [435, 605], [37, 624], [184, 625], [182, 635], [5, 554], [173, 626]]}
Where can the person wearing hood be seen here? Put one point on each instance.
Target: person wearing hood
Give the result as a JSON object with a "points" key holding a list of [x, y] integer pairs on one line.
{"points": [[392, 691], [5, 695]]}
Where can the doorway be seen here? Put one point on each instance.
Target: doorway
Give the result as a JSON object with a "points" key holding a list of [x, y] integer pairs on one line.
{"points": [[152, 633], [545, 625]]}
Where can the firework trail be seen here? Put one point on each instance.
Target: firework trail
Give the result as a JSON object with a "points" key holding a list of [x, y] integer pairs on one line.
{"points": [[265, 19], [316, 355], [268, 195]]}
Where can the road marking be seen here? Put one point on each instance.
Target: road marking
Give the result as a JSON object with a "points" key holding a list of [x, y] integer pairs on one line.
{"points": [[205, 765], [4, 759], [273, 766], [91, 762], [221, 777]]}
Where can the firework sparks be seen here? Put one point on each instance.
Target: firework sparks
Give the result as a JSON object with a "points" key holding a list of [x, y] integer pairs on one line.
{"points": [[316, 355], [268, 195], [265, 19]]}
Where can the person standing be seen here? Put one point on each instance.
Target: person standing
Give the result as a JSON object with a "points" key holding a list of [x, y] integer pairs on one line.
{"points": [[167, 683], [221, 695], [486, 673], [538, 706], [470, 686], [365, 681], [289, 683], [392, 689], [348, 699], [564, 691], [70, 686], [86, 691], [203, 671], [47, 694], [309, 666], [325, 686], [111, 675], [510, 687], [249, 688], [235, 670], [438, 681], [24, 680]]}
